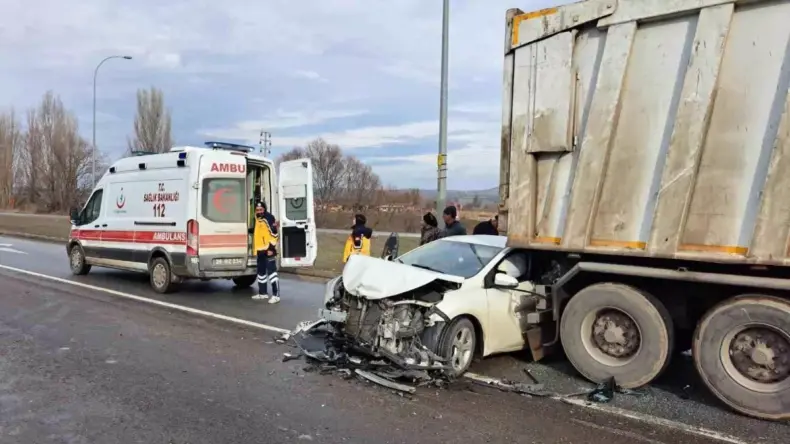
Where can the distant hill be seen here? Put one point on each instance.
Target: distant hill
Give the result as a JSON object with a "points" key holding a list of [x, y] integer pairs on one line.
{"points": [[488, 196]]}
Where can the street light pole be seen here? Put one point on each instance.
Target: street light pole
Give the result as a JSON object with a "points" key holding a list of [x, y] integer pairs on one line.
{"points": [[95, 73], [441, 196]]}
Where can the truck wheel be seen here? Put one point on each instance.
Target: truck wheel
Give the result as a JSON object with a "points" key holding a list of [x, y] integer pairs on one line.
{"points": [[613, 330], [742, 352], [77, 261], [245, 281], [458, 346], [161, 276]]}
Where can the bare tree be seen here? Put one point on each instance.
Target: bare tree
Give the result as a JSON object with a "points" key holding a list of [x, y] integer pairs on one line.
{"points": [[10, 138], [337, 177], [152, 124], [328, 169], [361, 184], [55, 160], [293, 154]]}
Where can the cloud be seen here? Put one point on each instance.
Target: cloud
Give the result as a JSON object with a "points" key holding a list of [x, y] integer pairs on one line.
{"points": [[310, 75], [249, 129], [364, 75]]}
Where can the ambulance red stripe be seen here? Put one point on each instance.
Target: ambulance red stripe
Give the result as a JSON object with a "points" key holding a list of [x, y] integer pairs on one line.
{"points": [[160, 238]]}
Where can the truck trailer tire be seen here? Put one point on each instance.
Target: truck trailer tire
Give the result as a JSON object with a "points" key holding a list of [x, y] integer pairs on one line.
{"points": [[741, 350], [614, 330]]}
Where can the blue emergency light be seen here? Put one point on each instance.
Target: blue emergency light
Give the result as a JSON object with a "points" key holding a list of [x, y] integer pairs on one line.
{"points": [[229, 146]]}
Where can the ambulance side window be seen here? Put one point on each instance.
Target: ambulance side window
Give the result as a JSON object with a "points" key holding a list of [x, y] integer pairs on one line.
{"points": [[92, 208]]}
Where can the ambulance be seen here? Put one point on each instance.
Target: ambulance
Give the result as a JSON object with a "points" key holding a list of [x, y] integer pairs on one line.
{"points": [[189, 214]]}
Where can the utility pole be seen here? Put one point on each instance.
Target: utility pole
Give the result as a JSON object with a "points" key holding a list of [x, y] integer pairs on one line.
{"points": [[266, 143], [93, 151], [441, 187]]}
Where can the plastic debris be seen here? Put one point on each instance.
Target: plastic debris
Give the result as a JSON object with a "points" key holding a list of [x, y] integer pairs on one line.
{"points": [[385, 382], [289, 357], [604, 392]]}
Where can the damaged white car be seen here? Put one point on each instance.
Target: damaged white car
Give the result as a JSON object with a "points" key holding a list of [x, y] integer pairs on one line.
{"points": [[437, 306]]}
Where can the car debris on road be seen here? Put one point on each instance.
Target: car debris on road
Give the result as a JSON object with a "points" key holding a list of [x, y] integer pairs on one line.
{"points": [[328, 350]]}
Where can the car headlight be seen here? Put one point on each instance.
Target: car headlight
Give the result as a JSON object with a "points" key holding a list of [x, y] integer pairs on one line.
{"points": [[331, 289]]}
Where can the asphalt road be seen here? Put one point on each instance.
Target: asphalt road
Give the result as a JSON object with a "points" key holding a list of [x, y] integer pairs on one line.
{"points": [[121, 371]]}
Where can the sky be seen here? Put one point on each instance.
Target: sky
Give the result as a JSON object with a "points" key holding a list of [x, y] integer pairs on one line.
{"points": [[361, 74]]}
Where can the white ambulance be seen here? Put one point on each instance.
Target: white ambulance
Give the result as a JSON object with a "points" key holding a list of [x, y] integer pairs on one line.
{"points": [[189, 213]]}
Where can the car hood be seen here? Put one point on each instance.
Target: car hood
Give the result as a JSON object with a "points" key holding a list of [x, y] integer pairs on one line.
{"points": [[374, 278]]}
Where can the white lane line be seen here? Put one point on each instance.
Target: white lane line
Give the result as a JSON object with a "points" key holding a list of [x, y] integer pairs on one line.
{"points": [[616, 431], [182, 308], [642, 417]]}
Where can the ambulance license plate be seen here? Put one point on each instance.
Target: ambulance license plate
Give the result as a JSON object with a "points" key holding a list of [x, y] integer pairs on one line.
{"points": [[225, 261]]}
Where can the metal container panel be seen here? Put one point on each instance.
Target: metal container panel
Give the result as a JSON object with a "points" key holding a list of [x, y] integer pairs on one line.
{"points": [[649, 127]]}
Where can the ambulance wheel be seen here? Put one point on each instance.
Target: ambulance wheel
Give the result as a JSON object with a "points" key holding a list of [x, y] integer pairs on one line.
{"points": [[77, 261], [161, 276], [245, 281]]}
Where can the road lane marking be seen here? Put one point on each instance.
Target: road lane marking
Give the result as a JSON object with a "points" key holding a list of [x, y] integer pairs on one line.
{"points": [[177, 307], [7, 248], [636, 416], [616, 431]]}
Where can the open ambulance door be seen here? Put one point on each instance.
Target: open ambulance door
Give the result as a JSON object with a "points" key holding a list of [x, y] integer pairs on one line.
{"points": [[298, 238]]}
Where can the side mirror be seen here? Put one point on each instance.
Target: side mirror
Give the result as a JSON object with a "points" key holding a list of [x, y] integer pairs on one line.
{"points": [[74, 216], [503, 280]]}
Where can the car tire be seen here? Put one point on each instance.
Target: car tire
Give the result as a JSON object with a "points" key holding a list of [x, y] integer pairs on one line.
{"points": [[161, 276], [458, 345], [77, 262], [244, 281], [614, 330], [729, 343]]}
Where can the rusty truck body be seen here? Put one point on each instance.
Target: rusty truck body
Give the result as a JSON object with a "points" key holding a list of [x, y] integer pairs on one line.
{"points": [[645, 165]]}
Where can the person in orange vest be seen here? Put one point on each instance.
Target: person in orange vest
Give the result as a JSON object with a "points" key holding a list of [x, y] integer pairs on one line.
{"points": [[358, 241], [265, 245]]}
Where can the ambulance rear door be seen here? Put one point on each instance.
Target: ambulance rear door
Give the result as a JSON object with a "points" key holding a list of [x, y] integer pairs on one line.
{"points": [[298, 237], [221, 228]]}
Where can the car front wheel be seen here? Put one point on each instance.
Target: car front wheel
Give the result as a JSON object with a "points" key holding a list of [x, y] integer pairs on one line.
{"points": [[458, 346]]}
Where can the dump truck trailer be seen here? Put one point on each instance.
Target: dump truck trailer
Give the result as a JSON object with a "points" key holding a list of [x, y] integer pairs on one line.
{"points": [[645, 164]]}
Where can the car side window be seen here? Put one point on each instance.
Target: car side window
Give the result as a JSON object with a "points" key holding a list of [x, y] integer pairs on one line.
{"points": [[93, 208]]}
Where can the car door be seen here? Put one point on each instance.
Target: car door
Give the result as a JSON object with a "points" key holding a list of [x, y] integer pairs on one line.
{"points": [[507, 314], [89, 230], [298, 237]]}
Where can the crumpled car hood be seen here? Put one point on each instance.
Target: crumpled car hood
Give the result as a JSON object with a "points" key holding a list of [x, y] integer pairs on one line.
{"points": [[374, 278]]}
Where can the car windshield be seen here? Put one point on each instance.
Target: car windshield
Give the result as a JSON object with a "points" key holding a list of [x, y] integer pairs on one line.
{"points": [[454, 258]]}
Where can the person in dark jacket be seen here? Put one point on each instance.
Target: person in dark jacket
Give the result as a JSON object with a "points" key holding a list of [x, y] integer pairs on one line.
{"points": [[430, 229], [488, 227], [359, 240], [451, 225]]}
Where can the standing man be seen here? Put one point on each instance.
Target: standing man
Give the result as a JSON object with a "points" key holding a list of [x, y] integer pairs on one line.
{"points": [[451, 225], [265, 245], [488, 227]]}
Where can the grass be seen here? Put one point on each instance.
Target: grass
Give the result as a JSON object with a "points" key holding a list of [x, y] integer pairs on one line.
{"points": [[330, 245]]}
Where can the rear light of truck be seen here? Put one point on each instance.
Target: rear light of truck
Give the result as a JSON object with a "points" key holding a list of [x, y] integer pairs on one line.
{"points": [[193, 230]]}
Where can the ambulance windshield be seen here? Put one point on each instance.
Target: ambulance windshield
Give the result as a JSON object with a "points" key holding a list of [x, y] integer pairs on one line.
{"points": [[223, 200]]}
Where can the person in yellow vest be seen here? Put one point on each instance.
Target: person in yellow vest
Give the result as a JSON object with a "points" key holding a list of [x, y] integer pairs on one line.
{"points": [[265, 245], [358, 241]]}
